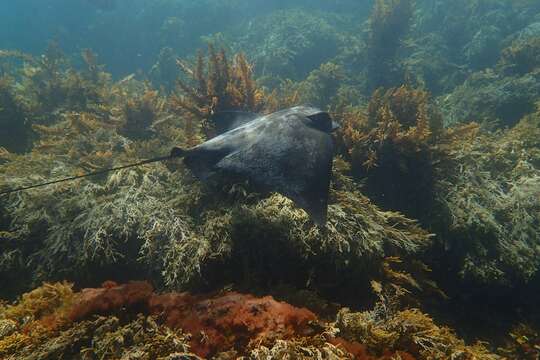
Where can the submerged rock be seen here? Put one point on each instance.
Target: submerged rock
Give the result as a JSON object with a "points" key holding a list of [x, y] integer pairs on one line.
{"points": [[227, 325]]}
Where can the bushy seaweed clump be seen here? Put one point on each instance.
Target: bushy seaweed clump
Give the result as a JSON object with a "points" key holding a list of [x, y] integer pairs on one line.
{"points": [[51, 83], [36, 90], [37, 315], [50, 227], [482, 186], [521, 57], [165, 71], [449, 41], [492, 195], [388, 24], [502, 94], [273, 237], [486, 182], [524, 343], [327, 87], [382, 330], [291, 43], [13, 116], [214, 84], [391, 144]]}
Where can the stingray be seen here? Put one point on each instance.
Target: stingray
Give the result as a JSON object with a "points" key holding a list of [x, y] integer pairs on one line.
{"points": [[289, 152]]}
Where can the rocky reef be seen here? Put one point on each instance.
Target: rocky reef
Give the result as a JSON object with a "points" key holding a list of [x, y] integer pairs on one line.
{"points": [[432, 241], [130, 321]]}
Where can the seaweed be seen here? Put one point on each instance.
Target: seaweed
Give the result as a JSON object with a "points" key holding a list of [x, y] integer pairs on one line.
{"points": [[39, 314], [382, 329], [491, 97], [502, 94], [491, 196], [41, 326], [80, 142], [521, 57], [394, 138], [165, 71], [51, 82], [13, 116], [289, 44], [140, 114], [216, 85], [38, 303], [388, 24], [323, 87], [524, 343]]}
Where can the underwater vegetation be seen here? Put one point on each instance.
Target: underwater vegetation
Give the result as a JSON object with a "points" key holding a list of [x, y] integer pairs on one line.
{"points": [[13, 116], [504, 89], [503, 94], [388, 24], [216, 85], [493, 200], [47, 330], [289, 43], [52, 83], [394, 137], [431, 246], [161, 220], [119, 321]]}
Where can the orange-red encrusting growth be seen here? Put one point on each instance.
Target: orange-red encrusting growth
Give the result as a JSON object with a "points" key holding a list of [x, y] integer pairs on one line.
{"points": [[231, 321], [110, 298], [217, 323]]}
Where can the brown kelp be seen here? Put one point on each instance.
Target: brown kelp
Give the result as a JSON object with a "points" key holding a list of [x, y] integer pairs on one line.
{"points": [[394, 138], [215, 85]]}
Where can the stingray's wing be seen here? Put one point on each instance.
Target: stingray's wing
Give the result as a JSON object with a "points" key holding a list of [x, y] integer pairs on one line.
{"points": [[228, 120], [288, 157], [203, 159]]}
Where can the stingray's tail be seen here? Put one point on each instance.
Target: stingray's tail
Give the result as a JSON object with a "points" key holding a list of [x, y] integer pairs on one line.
{"points": [[175, 152]]}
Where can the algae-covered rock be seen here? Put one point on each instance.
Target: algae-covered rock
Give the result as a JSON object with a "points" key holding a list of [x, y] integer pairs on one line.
{"points": [[408, 329], [395, 138], [227, 326], [13, 116], [504, 93], [407, 190], [290, 43], [389, 22], [493, 197]]}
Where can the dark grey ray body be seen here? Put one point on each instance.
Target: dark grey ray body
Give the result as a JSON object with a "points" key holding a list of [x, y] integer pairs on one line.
{"points": [[289, 152]]}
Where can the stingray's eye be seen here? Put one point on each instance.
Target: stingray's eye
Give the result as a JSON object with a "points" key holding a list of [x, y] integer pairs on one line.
{"points": [[321, 121]]}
